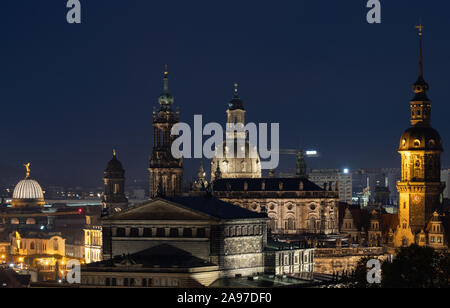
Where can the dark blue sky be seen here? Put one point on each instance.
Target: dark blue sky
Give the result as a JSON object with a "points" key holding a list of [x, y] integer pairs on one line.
{"points": [[70, 93]]}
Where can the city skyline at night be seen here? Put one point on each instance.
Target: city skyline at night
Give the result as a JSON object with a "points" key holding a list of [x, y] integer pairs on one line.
{"points": [[332, 81]]}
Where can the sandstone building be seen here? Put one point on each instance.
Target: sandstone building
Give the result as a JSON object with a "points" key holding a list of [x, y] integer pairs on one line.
{"points": [[189, 241], [294, 205], [420, 189], [166, 172], [236, 157]]}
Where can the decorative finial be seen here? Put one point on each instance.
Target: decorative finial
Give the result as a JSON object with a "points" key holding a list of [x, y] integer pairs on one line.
{"points": [[420, 28], [114, 152], [27, 166], [166, 79], [236, 89]]}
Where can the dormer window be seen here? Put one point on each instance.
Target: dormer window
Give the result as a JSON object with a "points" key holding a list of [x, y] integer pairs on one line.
{"points": [[417, 143]]}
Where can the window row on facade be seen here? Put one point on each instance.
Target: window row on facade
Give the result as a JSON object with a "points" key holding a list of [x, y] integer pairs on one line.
{"points": [[161, 232], [248, 230]]}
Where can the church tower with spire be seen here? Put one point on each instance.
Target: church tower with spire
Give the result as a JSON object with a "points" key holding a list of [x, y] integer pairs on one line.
{"points": [[166, 172], [420, 189]]}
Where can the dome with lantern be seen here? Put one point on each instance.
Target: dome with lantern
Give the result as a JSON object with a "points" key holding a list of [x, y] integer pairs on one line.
{"points": [[28, 192], [236, 157]]}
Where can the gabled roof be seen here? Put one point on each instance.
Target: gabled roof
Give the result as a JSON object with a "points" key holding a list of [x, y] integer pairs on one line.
{"points": [[216, 207], [362, 217], [185, 208]]}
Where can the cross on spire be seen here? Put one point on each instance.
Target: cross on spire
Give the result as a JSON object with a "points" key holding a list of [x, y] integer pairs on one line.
{"points": [[420, 27]]}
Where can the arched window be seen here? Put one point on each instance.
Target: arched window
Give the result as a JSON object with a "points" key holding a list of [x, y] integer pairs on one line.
{"points": [[291, 223]]}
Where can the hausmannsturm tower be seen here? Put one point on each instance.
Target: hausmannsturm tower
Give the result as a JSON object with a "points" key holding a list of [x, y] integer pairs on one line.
{"points": [[166, 172], [420, 189]]}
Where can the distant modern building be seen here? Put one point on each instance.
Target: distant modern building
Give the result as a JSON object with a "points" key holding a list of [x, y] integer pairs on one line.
{"points": [[323, 177], [367, 182]]}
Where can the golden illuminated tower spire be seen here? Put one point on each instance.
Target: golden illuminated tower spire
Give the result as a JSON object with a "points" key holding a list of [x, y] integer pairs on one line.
{"points": [[420, 188]]}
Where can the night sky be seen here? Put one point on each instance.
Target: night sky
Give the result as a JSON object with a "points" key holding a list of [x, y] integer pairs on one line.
{"points": [[72, 93]]}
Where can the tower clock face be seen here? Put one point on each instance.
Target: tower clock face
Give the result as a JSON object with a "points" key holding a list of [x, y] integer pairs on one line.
{"points": [[417, 198]]}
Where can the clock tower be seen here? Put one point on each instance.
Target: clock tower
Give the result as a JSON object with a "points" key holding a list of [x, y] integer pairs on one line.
{"points": [[420, 189]]}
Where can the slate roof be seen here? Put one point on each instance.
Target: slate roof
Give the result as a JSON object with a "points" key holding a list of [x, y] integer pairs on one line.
{"points": [[38, 234], [271, 184], [361, 217], [216, 208]]}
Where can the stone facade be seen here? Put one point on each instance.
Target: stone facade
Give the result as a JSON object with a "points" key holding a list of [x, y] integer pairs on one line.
{"points": [[339, 260], [236, 157], [236, 245], [293, 205], [214, 239], [289, 261], [420, 189], [166, 172]]}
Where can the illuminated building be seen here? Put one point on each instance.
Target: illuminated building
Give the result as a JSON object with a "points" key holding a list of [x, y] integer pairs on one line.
{"points": [[420, 189], [42, 251], [343, 179], [27, 193], [166, 172], [93, 244], [189, 241], [295, 206], [229, 161]]}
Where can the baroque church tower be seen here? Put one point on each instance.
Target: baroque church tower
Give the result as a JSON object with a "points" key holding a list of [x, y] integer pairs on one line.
{"points": [[420, 189], [241, 163], [166, 172], [114, 198]]}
